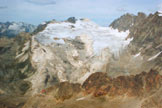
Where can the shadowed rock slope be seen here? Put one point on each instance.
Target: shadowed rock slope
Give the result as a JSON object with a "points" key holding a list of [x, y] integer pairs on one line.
{"points": [[147, 41], [10, 68]]}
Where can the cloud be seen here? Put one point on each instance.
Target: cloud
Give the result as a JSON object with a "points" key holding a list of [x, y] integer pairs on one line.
{"points": [[121, 9], [3, 7], [152, 10], [98, 10], [160, 7], [42, 2]]}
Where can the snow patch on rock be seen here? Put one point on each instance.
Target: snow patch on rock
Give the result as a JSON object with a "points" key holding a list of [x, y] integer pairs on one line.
{"points": [[79, 99], [137, 55], [153, 57]]}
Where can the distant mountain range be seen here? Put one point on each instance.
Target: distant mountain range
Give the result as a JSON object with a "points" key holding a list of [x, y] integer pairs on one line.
{"points": [[11, 29]]}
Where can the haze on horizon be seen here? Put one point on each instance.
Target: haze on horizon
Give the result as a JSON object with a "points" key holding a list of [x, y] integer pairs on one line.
{"points": [[102, 12]]}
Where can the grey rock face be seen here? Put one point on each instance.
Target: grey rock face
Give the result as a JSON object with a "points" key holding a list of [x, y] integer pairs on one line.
{"points": [[126, 21]]}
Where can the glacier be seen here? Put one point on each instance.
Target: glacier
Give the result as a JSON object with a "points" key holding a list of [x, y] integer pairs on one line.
{"points": [[102, 37]]}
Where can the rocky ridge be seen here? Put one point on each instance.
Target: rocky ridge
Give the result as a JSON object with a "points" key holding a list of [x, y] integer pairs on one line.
{"points": [[126, 21]]}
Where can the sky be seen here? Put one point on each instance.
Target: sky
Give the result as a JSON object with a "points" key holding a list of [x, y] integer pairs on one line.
{"points": [[102, 12]]}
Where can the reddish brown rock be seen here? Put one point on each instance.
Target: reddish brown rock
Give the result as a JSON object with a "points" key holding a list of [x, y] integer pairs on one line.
{"points": [[136, 85]]}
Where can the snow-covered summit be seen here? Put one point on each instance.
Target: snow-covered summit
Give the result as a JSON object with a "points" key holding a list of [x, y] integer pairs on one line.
{"points": [[102, 37]]}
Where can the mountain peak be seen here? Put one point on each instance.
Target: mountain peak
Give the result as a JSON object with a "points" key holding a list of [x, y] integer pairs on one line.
{"points": [[82, 27]]}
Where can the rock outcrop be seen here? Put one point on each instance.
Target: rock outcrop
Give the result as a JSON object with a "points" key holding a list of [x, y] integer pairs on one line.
{"points": [[72, 19], [136, 85]]}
